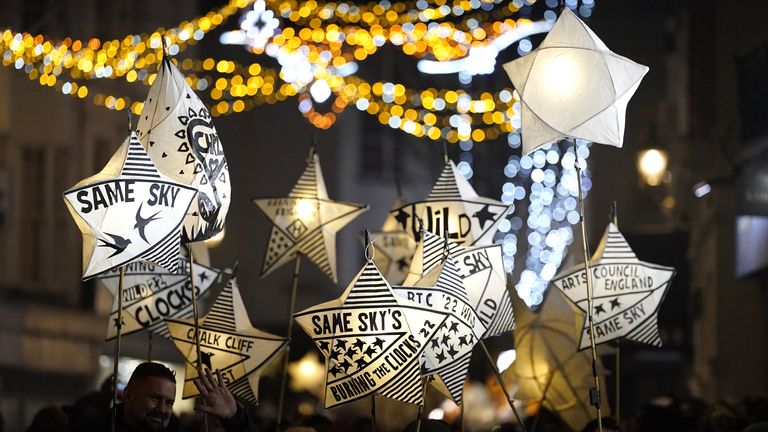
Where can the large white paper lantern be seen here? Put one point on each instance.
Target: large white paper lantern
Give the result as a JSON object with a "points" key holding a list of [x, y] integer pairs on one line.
{"points": [[573, 86]]}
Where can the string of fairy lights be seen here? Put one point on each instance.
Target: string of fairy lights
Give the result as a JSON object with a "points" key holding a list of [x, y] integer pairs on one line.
{"points": [[318, 46]]}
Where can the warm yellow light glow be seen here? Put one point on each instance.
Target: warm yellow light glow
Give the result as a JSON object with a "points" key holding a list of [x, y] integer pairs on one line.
{"points": [[216, 240], [562, 74], [304, 209], [652, 165]]}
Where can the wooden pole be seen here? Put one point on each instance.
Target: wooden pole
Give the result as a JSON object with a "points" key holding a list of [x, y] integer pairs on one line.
{"points": [[510, 400], [594, 393], [196, 319], [116, 363], [283, 382]]}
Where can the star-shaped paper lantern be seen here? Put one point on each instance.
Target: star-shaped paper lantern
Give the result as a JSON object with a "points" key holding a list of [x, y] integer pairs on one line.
{"points": [[549, 367], [394, 249], [229, 343], [305, 222], [482, 272], [450, 349], [626, 296], [453, 207], [572, 85], [176, 130], [129, 212], [372, 340], [151, 294]]}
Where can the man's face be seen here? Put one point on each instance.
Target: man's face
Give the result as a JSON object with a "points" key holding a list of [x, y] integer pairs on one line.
{"points": [[149, 403]]}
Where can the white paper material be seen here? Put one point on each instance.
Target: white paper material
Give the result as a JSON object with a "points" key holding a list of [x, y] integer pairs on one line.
{"points": [[305, 222], [448, 352], [176, 130], [453, 208], [229, 343], [626, 295], [372, 340], [129, 212], [151, 293], [573, 86], [394, 249]]}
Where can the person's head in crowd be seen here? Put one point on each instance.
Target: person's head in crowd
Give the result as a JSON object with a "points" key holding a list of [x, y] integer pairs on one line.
{"points": [[49, 419], [149, 396], [428, 425]]}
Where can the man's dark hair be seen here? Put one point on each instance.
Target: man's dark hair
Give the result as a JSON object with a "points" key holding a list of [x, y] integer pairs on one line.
{"points": [[151, 369]]}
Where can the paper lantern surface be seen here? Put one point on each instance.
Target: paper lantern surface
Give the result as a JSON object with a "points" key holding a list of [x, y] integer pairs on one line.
{"points": [[151, 294], [573, 86], [453, 207], [176, 130], [482, 272], [394, 249], [305, 222], [627, 292], [129, 212], [448, 352], [229, 343], [549, 367], [372, 340]]}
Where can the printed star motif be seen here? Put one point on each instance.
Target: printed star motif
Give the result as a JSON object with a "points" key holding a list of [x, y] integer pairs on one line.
{"points": [[238, 350], [451, 352], [394, 248], [359, 344], [443, 285], [104, 205], [552, 80], [323, 345], [345, 365], [635, 290], [176, 130], [483, 275], [351, 351], [401, 325], [144, 285], [378, 343], [451, 204], [203, 276], [599, 309], [464, 340], [370, 351], [308, 205]]}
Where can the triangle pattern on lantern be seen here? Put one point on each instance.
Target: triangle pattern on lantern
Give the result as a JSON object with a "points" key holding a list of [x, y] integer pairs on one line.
{"points": [[453, 207], [573, 86], [128, 212], [305, 222], [627, 292]]}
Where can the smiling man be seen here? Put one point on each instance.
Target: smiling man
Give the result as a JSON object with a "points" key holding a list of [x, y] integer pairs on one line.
{"points": [[151, 391]]}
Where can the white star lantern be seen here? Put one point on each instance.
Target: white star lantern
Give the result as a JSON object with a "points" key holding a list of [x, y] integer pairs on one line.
{"points": [[372, 340], [572, 85], [129, 212], [453, 208], [176, 130], [229, 343], [305, 222], [482, 272], [450, 349], [627, 292], [152, 294]]}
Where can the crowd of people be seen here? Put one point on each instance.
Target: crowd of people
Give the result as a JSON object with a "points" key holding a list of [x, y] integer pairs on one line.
{"points": [[147, 406]]}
